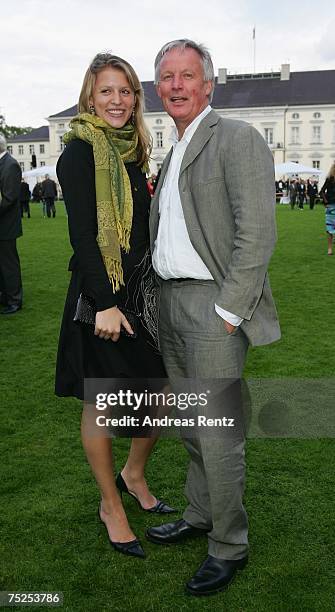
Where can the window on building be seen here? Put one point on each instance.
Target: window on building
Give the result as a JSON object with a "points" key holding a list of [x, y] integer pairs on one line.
{"points": [[22, 166], [61, 144], [20, 149], [31, 149], [42, 148], [10, 149], [316, 115], [61, 126], [159, 140], [268, 135], [316, 163], [295, 116], [159, 121], [316, 135], [295, 134], [42, 163]]}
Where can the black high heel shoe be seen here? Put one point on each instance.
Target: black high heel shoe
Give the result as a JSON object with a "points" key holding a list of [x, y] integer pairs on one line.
{"points": [[159, 508], [132, 548]]}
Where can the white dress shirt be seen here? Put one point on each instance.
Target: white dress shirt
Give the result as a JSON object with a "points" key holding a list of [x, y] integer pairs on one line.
{"points": [[3, 154], [174, 255]]}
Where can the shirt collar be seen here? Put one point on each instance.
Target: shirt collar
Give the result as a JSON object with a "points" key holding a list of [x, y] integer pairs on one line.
{"points": [[3, 154], [174, 138]]}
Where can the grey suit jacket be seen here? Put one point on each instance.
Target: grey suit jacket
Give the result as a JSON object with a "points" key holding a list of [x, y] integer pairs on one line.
{"points": [[227, 192]]}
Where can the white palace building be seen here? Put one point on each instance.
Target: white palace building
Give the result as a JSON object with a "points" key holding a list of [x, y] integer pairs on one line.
{"points": [[294, 112]]}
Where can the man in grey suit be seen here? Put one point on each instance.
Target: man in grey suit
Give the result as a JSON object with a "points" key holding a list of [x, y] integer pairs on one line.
{"points": [[212, 235], [10, 230]]}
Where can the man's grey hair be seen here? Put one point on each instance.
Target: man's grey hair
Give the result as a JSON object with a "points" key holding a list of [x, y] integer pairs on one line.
{"points": [[3, 143], [186, 43]]}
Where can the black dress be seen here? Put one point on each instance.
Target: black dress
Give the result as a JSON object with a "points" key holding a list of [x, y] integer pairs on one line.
{"points": [[81, 354]]}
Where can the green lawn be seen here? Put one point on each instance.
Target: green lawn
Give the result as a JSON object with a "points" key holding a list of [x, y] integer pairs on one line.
{"points": [[51, 537]]}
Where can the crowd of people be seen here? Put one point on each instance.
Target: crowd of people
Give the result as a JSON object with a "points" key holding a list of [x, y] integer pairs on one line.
{"points": [[298, 192], [44, 192], [170, 287]]}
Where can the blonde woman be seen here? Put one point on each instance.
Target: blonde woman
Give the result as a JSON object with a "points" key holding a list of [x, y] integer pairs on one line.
{"points": [[102, 175], [328, 195]]}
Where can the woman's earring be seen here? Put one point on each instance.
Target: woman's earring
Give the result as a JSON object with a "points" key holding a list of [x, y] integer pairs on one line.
{"points": [[133, 115], [92, 109]]}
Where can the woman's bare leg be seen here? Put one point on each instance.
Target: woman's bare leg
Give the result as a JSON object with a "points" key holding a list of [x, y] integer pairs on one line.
{"points": [[330, 243], [133, 471], [98, 451], [140, 450]]}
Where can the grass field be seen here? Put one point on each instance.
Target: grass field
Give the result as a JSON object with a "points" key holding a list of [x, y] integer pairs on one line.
{"points": [[51, 539]]}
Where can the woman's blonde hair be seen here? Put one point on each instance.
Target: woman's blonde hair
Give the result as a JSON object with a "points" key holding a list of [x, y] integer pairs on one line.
{"points": [[331, 173], [101, 61]]}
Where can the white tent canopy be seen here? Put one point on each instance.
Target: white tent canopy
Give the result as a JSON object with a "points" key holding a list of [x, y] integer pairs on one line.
{"points": [[295, 168], [41, 171], [32, 176]]}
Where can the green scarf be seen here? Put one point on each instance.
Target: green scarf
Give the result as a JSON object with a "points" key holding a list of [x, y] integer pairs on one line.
{"points": [[112, 147]]}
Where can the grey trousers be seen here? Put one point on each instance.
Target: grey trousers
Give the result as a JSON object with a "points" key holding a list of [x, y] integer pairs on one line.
{"points": [[195, 344]]}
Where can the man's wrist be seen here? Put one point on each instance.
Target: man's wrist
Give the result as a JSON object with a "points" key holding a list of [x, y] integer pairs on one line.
{"points": [[233, 319]]}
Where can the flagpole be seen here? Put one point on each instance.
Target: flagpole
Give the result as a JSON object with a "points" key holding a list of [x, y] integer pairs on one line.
{"points": [[254, 45]]}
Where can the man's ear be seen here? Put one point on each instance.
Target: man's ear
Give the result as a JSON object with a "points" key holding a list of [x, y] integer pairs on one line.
{"points": [[158, 89], [208, 88]]}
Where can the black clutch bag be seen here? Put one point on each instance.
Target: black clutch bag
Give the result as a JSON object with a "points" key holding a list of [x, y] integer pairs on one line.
{"points": [[86, 311]]}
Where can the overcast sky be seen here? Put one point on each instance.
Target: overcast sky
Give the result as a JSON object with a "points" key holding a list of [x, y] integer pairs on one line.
{"points": [[46, 45]]}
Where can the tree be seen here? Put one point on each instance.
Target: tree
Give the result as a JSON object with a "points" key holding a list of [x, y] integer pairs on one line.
{"points": [[12, 130]]}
